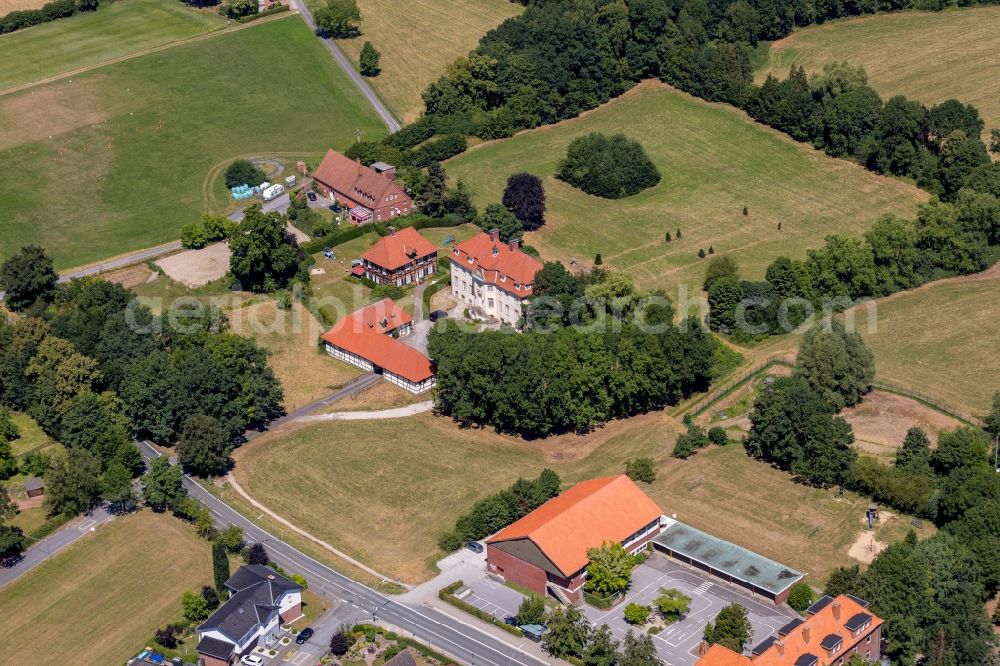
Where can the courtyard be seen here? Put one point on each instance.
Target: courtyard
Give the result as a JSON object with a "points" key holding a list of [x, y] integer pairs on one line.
{"points": [[678, 643]]}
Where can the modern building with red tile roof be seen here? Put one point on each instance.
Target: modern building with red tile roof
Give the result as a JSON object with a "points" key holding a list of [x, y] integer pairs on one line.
{"points": [[371, 196], [496, 277], [546, 551], [368, 339], [401, 258], [833, 630]]}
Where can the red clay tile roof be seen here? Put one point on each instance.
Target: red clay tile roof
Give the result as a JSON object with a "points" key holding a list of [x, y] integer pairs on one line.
{"points": [[367, 333], [353, 179], [393, 251], [718, 655], [829, 621], [611, 509], [510, 270]]}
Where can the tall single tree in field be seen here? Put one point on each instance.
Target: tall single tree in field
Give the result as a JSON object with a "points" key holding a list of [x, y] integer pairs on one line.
{"points": [[525, 197], [220, 565], [27, 277], [339, 18], [203, 447], [369, 61]]}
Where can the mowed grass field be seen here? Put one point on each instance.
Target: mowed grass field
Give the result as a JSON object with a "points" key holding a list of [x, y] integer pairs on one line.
{"points": [[7, 6], [116, 29], [941, 340], [713, 161], [117, 158], [100, 599], [928, 56], [384, 490], [417, 40]]}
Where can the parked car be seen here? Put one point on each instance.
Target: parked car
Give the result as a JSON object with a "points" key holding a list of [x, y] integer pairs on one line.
{"points": [[304, 635], [511, 620], [311, 196], [438, 314], [252, 660], [474, 546]]}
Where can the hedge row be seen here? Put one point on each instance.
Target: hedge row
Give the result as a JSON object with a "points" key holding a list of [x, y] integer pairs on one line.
{"points": [[447, 594], [276, 9], [49, 526], [415, 220], [402, 640], [50, 11]]}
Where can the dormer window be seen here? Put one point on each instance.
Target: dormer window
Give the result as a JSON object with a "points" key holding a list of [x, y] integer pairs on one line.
{"points": [[503, 278], [496, 250]]}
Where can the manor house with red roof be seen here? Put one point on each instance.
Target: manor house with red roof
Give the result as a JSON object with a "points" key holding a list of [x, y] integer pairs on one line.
{"points": [[496, 277]]}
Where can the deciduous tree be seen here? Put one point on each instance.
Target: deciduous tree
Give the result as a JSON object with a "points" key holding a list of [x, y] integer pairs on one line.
{"points": [[204, 447], [610, 570], [369, 60], [497, 217], [567, 632], [339, 18], [72, 484], [163, 485], [263, 255], [524, 196], [27, 277], [731, 628], [638, 650], [531, 610], [602, 648]]}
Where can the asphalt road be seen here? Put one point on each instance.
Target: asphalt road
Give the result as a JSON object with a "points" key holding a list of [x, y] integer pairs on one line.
{"points": [[45, 548], [459, 640], [366, 90]]}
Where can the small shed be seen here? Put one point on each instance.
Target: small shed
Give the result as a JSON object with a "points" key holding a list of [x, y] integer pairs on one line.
{"points": [[34, 487]]}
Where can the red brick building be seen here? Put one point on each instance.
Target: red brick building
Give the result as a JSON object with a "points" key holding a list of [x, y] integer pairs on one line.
{"points": [[401, 258], [833, 630], [371, 196], [546, 551]]}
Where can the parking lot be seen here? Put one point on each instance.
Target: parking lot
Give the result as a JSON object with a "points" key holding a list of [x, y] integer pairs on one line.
{"points": [[678, 643]]}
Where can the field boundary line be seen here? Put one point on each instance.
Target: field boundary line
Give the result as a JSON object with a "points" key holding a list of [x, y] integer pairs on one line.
{"points": [[735, 383], [947, 410], [231, 479], [136, 54]]}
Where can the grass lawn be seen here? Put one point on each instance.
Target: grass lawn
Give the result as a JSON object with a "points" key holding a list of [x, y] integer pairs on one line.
{"points": [[135, 144], [713, 161], [306, 372], [383, 490], [941, 340], [32, 436], [116, 29], [436, 32], [97, 601], [928, 56]]}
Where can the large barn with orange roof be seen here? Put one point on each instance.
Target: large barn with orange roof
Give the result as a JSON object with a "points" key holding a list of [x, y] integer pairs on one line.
{"points": [[833, 630], [368, 339], [494, 276], [546, 551]]}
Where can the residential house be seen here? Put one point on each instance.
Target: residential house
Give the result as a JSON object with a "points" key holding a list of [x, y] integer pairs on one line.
{"points": [[260, 601], [403, 257], [496, 277], [370, 196], [832, 631], [546, 551], [368, 339]]}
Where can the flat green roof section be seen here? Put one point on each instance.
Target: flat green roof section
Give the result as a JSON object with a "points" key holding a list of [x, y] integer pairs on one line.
{"points": [[728, 558]]}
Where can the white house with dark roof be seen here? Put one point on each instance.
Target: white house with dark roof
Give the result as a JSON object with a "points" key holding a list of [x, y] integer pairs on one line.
{"points": [[260, 601]]}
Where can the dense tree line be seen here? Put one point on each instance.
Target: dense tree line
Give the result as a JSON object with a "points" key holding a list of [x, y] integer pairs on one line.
{"points": [[555, 378], [493, 513], [94, 369], [956, 237]]}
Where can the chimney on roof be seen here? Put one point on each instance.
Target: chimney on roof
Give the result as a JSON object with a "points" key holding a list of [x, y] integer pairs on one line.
{"points": [[780, 645], [836, 609], [805, 632], [392, 231], [514, 244], [494, 234]]}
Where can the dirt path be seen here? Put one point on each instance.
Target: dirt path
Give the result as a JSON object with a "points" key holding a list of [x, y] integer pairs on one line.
{"points": [[301, 532], [136, 54], [394, 413]]}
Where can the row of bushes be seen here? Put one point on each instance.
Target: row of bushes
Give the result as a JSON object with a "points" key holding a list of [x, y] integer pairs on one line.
{"points": [[401, 640], [415, 220], [276, 9], [447, 594], [50, 11]]}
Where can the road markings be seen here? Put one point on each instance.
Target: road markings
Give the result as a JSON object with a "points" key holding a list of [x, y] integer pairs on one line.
{"points": [[703, 588]]}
